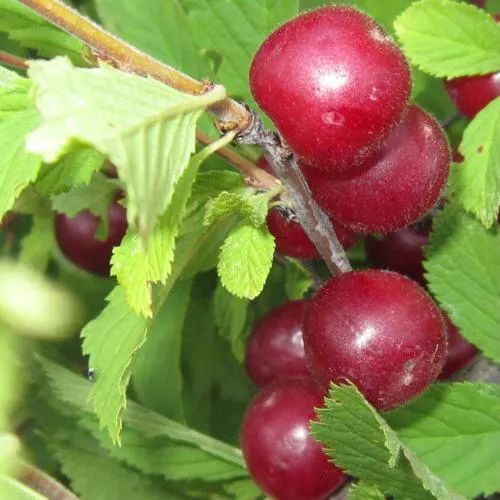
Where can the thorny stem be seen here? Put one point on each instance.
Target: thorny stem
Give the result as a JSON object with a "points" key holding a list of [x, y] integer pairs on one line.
{"points": [[231, 114], [12, 60], [314, 221], [44, 484]]}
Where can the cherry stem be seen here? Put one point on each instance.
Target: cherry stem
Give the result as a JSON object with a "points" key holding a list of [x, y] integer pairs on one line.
{"points": [[230, 114], [313, 220], [44, 484], [12, 60]]}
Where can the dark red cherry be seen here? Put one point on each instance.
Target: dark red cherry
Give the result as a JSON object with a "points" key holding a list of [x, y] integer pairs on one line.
{"points": [[334, 83], [398, 185], [282, 457], [401, 251], [379, 330], [275, 348], [460, 352], [77, 240]]}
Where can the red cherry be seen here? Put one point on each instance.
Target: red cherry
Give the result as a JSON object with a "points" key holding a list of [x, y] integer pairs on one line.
{"points": [[292, 240], [77, 240], [378, 329], [397, 186], [283, 458], [401, 251], [460, 352], [334, 84], [275, 348]]}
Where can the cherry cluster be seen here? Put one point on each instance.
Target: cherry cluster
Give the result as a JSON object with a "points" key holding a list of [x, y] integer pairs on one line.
{"points": [[337, 88]]}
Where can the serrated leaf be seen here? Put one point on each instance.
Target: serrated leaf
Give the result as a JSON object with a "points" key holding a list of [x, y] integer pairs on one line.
{"points": [[213, 23], [361, 443], [17, 118], [157, 378], [73, 170], [365, 491], [230, 314], [116, 326], [37, 246], [298, 280], [449, 39], [476, 181], [245, 260], [448, 419], [33, 32], [463, 273], [158, 28], [136, 267], [147, 129]]}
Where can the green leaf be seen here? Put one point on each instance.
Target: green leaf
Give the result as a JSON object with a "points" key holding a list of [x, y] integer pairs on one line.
{"points": [[361, 443], [298, 280], [157, 377], [448, 419], [14, 490], [9, 392], [234, 30], [365, 491], [158, 28], [112, 341], [37, 246], [231, 317], [34, 32], [463, 272], [73, 170], [147, 129], [449, 39], [252, 207], [245, 260], [17, 118], [136, 267], [476, 181]]}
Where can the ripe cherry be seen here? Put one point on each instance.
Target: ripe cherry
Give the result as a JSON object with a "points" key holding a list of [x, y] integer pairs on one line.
{"points": [[460, 352], [398, 185], [275, 348], [77, 240], [401, 251], [378, 329], [283, 458], [334, 84]]}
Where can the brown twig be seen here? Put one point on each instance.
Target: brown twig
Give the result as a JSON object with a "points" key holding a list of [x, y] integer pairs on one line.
{"points": [[231, 114], [44, 484], [12, 60]]}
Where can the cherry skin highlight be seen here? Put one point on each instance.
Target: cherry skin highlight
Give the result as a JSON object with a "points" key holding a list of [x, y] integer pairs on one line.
{"points": [[275, 348], [401, 251], [77, 240], [334, 84], [378, 329], [460, 352], [283, 458], [396, 187]]}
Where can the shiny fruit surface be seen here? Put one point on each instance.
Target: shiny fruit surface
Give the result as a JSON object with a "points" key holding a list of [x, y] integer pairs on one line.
{"points": [[282, 457], [275, 348], [77, 239], [334, 83], [379, 330], [399, 185]]}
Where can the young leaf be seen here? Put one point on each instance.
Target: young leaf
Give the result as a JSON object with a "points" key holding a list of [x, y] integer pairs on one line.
{"points": [[463, 272], [73, 170], [37, 246], [147, 129], [230, 317], [450, 418], [361, 442], [449, 39], [213, 23], [116, 326], [33, 32], [157, 377], [365, 491], [17, 118], [298, 280], [245, 260], [476, 181]]}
